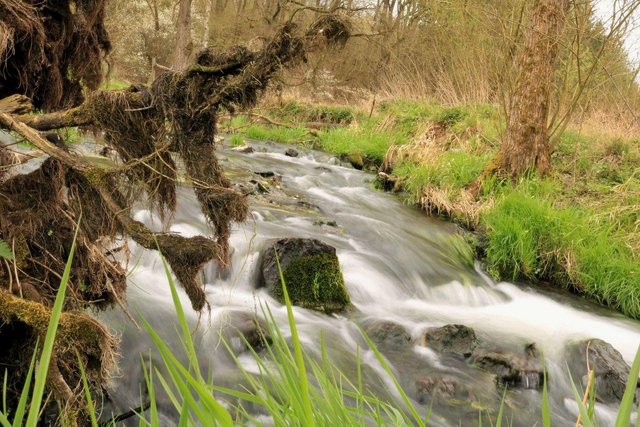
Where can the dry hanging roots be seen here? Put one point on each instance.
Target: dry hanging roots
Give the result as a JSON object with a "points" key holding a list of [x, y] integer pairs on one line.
{"points": [[149, 128]]}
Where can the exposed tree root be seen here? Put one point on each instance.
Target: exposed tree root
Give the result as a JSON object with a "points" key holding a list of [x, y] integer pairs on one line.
{"points": [[153, 130]]}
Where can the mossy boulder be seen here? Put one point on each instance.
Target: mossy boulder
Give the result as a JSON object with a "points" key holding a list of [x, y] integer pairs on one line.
{"points": [[311, 272]]}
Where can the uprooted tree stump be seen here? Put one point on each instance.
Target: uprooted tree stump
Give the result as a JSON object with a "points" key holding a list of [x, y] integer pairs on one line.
{"points": [[150, 128]]}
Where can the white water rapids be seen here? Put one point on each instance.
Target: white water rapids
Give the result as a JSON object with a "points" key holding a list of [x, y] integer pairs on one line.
{"points": [[398, 264]]}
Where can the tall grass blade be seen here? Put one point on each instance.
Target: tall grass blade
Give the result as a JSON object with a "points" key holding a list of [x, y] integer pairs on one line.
{"points": [[584, 413], [47, 349], [297, 348], [24, 396], [153, 405], [87, 393], [501, 410], [626, 406], [414, 413], [546, 408]]}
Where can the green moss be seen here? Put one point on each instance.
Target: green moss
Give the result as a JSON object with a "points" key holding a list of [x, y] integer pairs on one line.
{"points": [[315, 282], [70, 135]]}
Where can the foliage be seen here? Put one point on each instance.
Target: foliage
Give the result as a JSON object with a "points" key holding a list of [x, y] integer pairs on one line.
{"points": [[5, 251]]}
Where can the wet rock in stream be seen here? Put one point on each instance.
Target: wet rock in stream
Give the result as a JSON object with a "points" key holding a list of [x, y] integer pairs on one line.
{"points": [[291, 152], [430, 387], [246, 149], [311, 272], [510, 368], [610, 370], [456, 339], [243, 330], [388, 334]]}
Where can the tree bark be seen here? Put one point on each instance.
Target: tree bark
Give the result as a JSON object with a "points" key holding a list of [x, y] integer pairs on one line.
{"points": [[525, 145], [183, 37], [207, 19]]}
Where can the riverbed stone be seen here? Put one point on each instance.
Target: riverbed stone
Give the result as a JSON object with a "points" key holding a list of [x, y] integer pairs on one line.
{"points": [[291, 152], [243, 331], [610, 370], [510, 368], [246, 149], [388, 334], [356, 160], [311, 272], [431, 387], [456, 339]]}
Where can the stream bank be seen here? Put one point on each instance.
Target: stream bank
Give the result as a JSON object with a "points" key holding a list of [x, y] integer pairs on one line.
{"points": [[577, 228]]}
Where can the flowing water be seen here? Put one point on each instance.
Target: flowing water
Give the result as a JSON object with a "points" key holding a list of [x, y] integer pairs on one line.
{"points": [[399, 265]]}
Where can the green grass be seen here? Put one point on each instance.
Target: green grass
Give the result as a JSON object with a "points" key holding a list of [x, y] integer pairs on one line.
{"points": [[286, 135], [453, 169], [301, 112], [369, 144], [236, 140], [527, 237]]}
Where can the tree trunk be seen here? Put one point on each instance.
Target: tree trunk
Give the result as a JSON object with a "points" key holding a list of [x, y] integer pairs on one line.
{"points": [[525, 145], [207, 19], [183, 37]]}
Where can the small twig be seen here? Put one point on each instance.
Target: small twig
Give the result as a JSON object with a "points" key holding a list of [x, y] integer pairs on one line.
{"points": [[586, 396], [268, 120], [589, 382], [15, 266], [131, 110]]}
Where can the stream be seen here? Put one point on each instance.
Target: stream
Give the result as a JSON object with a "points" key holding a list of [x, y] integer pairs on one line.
{"points": [[400, 267]]}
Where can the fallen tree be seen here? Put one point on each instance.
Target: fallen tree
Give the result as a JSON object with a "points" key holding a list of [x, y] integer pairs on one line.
{"points": [[150, 128]]}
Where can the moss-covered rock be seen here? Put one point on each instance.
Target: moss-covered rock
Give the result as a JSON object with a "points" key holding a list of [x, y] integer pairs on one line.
{"points": [[311, 272]]}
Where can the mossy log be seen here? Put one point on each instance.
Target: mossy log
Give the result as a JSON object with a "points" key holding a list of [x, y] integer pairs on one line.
{"points": [[79, 339]]}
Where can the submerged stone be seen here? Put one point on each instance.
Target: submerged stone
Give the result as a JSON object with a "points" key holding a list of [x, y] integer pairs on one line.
{"points": [[512, 369], [291, 152], [243, 331], [246, 149], [457, 339], [430, 387], [388, 334], [610, 370], [311, 272]]}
